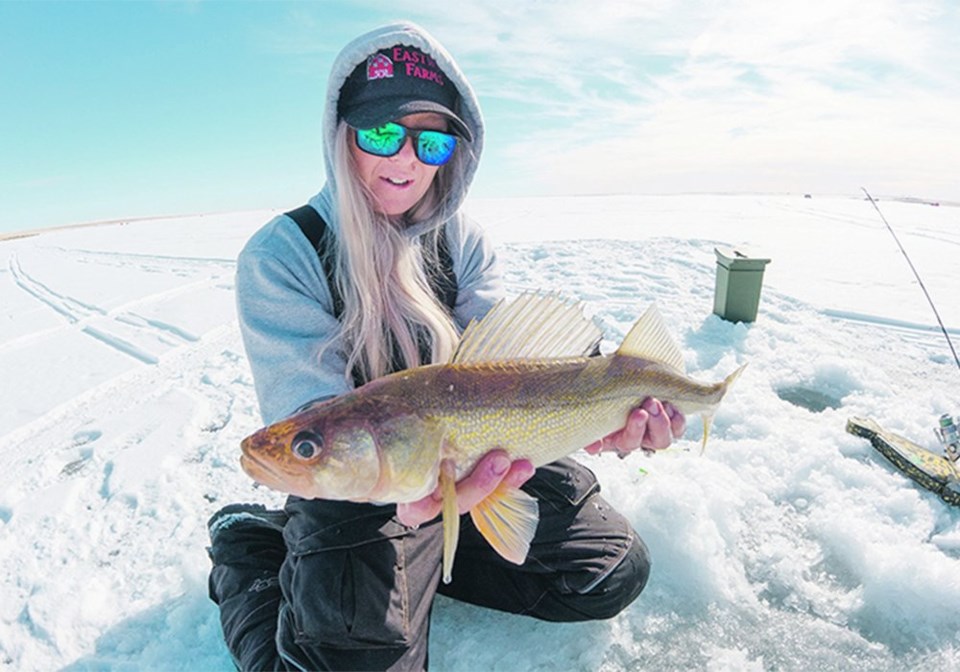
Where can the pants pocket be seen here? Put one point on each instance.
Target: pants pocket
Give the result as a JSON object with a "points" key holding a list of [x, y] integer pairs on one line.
{"points": [[349, 598], [347, 578], [581, 538]]}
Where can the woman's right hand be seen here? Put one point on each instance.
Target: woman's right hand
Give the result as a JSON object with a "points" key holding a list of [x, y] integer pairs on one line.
{"points": [[493, 469]]}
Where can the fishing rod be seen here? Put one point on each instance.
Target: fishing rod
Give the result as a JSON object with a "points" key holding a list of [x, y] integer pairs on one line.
{"points": [[936, 313], [946, 431]]}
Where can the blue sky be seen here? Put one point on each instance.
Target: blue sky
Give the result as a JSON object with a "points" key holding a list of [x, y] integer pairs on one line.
{"points": [[131, 109]]}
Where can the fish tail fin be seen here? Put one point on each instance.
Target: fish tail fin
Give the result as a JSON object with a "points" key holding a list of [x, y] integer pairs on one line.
{"points": [[507, 519], [451, 517], [708, 417]]}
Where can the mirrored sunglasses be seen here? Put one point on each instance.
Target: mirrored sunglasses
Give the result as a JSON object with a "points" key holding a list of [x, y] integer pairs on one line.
{"points": [[433, 148]]}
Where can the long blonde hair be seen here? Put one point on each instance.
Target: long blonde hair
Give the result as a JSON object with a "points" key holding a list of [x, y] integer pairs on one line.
{"points": [[382, 273]]}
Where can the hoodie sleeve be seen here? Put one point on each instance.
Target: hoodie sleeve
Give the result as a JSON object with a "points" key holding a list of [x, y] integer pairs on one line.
{"points": [[480, 284], [286, 321]]}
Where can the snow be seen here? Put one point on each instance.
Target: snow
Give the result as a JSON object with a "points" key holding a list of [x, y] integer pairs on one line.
{"points": [[789, 544]]}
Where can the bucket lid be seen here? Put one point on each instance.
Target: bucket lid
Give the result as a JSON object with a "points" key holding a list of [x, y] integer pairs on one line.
{"points": [[729, 257]]}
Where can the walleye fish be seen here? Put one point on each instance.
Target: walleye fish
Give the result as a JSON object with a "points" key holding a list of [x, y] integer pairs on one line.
{"points": [[521, 380]]}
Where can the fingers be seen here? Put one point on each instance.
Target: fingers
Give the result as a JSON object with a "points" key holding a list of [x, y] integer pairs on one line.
{"points": [[657, 430], [652, 426], [632, 434], [520, 472], [678, 421], [493, 468], [623, 440], [483, 480], [597, 446]]}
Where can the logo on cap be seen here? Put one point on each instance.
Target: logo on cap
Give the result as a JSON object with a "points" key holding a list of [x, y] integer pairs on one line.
{"points": [[379, 66]]}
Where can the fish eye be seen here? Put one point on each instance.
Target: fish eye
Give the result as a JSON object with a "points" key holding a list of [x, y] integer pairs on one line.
{"points": [[306, 445]]}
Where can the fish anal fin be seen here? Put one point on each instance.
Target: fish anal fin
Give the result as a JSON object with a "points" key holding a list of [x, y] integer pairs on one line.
{"points": [[508, 519], [451, 517], [649, 339]]}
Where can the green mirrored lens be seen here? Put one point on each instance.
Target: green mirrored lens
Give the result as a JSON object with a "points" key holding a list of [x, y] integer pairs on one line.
{"points": [[384, 140], [435, 147], [432, 147]]}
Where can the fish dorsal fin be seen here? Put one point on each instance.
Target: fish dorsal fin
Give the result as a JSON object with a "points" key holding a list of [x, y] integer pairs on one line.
{"points": [[649, 339], [532, 326]]}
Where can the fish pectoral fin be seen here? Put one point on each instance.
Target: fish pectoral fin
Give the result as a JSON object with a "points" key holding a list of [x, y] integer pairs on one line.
{"points": [[508, 519], [451, 517]]}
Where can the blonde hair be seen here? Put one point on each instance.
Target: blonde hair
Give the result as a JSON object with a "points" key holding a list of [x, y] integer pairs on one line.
{"points": [[382, 273]]}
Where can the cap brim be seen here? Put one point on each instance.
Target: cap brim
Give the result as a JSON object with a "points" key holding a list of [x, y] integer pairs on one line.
{"points": [[372, 114]]}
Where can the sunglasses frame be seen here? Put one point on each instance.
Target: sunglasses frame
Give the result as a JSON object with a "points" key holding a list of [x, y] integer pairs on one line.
{"points": [[414, 135]]}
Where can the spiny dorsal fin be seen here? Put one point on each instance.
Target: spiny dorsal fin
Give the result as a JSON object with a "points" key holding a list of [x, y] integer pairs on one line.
{"points": [[649, 339], [532, 326]]}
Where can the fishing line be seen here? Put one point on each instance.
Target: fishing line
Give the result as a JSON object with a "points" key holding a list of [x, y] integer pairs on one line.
{"points": [[936, 313]]}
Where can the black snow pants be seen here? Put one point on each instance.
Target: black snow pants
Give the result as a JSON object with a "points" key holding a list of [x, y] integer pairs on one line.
{"points": [[344, 586]]}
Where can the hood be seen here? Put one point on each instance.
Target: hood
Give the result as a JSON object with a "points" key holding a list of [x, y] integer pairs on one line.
{"points": [[356, 52]]}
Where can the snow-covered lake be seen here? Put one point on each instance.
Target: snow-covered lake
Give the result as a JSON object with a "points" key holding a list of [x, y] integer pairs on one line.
{"points": [[789, 545]]}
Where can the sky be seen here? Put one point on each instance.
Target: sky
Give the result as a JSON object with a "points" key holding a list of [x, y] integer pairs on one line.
{"points": [[117, 110], [788, 545]]}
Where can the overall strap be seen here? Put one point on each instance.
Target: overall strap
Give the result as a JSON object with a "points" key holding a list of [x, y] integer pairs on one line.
{"points": [[443, 281], [313, 226]]}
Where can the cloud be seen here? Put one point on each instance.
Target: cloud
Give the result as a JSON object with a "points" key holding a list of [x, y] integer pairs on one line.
{"points": [[670, 95], [675, 96]]}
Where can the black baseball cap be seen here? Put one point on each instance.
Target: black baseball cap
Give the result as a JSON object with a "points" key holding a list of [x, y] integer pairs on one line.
{"points": [[395, 82]]}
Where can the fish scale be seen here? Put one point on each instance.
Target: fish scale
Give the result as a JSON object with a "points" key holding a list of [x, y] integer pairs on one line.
{"points": [[541, 410]]}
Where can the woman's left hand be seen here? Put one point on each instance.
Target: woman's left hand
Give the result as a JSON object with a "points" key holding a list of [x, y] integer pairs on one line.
{"points": [[652, 426]]}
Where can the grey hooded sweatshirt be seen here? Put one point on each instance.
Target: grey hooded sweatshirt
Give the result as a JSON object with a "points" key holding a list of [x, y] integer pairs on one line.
{"points": [[284, 304]]}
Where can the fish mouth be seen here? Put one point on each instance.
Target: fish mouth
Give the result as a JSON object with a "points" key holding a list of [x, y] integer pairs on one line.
{"points": [[268, 473], [258, 469]]}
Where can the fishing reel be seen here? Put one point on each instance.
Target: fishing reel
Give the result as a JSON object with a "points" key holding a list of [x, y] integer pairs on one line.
{"points": [[949, 435]]}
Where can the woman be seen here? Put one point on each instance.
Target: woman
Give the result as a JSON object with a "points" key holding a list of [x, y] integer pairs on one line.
{"points": [[344, 585]]}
